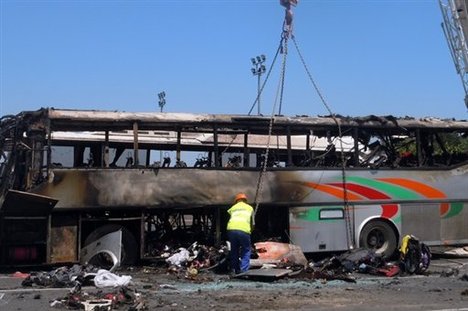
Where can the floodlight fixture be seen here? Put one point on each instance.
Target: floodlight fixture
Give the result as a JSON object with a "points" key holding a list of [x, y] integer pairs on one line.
{"points": [[258, 69], [162, 100]]}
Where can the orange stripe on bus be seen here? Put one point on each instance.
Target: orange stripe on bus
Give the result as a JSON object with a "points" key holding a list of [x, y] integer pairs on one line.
{"points": [[337, 192], [421, 188], [416, 186]]}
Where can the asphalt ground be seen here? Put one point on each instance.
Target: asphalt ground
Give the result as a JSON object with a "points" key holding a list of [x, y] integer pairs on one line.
{"points": [[444, 287]]}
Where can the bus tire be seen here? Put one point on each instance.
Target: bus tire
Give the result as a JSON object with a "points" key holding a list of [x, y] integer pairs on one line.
{"points": [[378, 235], [129, 254]]}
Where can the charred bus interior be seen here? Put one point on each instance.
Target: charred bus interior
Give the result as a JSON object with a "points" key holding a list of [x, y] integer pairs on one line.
{"points": [[38, 147]]}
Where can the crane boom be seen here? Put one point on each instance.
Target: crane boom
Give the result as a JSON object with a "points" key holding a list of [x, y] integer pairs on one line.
{"points": [[455, 28]]}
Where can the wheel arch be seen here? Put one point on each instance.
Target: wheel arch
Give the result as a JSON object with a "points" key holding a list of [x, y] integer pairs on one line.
{"points": [[129, 238], [377, 218], [392, 226]]}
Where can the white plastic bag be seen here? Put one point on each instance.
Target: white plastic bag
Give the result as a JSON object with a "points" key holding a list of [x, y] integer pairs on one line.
{"points": [[106, 278], [179, 258]]}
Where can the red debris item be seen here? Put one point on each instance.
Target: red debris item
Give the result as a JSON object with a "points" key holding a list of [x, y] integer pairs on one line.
{"points": [[110, 297], [74, 300], [20, 275], [389, 271]]}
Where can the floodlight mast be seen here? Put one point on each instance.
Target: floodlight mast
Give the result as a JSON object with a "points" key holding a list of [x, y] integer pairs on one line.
{"points": [[161, 103], [162, 100], [258, 70], [455, 26]]}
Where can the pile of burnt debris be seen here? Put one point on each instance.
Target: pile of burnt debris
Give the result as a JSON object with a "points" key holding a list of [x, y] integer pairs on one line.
{"points": [[277, 260], [194, 259], [102, 300], [272, 261], [114, 291]]}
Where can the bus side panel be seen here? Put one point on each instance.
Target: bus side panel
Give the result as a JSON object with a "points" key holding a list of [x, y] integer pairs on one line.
{"points": [[454, 223], [318, 229], [421, 220], [63, 245]]}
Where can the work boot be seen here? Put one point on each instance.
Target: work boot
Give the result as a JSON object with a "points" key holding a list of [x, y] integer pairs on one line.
{"points": [[233, 274]]}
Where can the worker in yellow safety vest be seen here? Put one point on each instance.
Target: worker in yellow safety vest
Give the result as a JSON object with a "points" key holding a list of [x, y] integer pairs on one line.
{"points": [[238, 234]]}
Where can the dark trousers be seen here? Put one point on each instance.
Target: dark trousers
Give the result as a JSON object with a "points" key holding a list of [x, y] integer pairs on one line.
{"points": [[240, 248]]}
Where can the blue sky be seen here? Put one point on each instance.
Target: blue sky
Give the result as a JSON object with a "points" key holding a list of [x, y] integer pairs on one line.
{"points": [[368, 57]]}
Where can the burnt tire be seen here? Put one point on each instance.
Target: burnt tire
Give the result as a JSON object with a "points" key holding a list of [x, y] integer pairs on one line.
{"points": [[129, 254], [379, 236]]}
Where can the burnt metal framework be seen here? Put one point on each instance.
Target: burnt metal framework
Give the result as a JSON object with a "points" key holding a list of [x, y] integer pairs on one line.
{"points": [[28, 164], [35, 133]]}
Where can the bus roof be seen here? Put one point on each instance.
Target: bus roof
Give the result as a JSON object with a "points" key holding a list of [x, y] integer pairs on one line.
{"points": [[97, 119]]}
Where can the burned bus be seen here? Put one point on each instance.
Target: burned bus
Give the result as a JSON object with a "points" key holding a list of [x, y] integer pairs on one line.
{"points": [[71, 177]]}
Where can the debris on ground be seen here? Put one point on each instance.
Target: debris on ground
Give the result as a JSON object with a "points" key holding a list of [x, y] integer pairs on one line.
{"points": [[288, 260], [104, 278], [99, 304], [282, 252], [276, 260], [60, 277], [197, 257], [458, 252], [122, 296], [179, 258], [20, 275], [74, 276], [270, 275], [449, 272], [415, 256]]}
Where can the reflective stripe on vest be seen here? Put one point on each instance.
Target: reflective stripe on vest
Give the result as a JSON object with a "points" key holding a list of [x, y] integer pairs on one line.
{"points": [[241, 214]]}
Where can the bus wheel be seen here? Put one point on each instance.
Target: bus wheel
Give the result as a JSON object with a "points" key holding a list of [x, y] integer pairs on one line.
{"points": [[129, 254], [379, 236]]}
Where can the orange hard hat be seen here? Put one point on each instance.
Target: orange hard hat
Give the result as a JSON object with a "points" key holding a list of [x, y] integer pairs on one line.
{"points": [[241, 196]]}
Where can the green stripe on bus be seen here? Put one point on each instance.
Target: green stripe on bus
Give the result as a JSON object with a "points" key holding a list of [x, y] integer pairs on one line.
{"points": [[397, 218], [455, 209], [392, 190], [313, 214]]}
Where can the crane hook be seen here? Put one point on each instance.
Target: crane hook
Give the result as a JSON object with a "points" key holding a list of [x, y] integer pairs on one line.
{"points": [[288, 18]]}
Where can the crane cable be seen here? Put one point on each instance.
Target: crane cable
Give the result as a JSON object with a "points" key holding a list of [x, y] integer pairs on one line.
{"points": [[283, 48], [349, 224], [279, 96], [287, 32]]}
